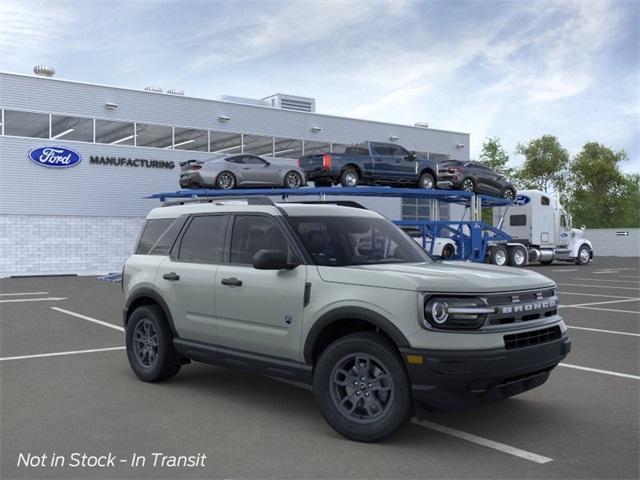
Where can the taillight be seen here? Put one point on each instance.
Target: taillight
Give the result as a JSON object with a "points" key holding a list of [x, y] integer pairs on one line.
{"points": [[298, 162], [454, 170], [326, 161]]}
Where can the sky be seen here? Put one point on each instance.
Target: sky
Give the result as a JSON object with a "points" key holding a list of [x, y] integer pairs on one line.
{"points": [[508, 69]]}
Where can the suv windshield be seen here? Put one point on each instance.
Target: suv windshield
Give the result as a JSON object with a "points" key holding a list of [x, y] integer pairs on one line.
{"points": [[345, 241]]}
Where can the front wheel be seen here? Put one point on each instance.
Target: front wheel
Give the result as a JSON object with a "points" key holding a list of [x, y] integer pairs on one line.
{"points": [[584, 255], [362, 388], [448, 251], [149, 345], [293, 180], [468, 185], [426, 182], [509, 194]]}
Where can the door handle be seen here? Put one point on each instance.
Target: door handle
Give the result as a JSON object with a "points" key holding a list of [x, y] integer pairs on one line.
{"points": [[231, 282], [173, 276]]}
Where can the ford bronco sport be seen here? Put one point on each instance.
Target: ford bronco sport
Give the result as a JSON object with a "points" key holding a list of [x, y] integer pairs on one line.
{"points": [[337, 297]]}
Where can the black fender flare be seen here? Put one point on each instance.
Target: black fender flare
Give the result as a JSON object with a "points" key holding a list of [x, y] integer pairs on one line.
{"points": [[351, 313], [147, 292]]}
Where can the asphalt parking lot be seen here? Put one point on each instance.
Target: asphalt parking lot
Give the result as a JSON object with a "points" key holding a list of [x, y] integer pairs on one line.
{"points": [[66, 387]]}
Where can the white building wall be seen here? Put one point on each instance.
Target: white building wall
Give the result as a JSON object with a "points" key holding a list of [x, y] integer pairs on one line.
{"points": [[611, 242]]}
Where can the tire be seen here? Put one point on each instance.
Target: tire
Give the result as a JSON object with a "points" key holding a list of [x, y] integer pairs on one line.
{"points": [[349, 177], [517, 256], [468, 185], [509, 194], [498, 255], [389, 403], [293, 180], [426, 182], [226, 180], [584, 255], [448, 251], [147, 323]]}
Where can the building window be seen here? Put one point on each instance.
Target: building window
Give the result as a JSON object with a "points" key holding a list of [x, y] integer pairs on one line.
{"points": [[71, 128], [287, 148], [26, 124], [438, 157], [225, 143], [158, 136], [316, 148], [258, 145], [419, 209], [114, 133], [190, 139]]}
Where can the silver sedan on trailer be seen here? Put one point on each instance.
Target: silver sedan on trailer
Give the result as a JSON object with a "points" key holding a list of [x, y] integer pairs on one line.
{"points": [[227, 172]]}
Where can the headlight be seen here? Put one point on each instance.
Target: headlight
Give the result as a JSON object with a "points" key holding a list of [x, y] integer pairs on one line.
{"points": [[455, 312]]}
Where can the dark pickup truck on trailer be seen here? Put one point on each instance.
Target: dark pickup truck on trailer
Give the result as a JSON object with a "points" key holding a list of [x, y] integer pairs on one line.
{"points": [[370, 163]]}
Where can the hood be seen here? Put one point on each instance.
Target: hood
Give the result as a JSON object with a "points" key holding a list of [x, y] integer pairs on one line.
{"points": [[444, 277]]}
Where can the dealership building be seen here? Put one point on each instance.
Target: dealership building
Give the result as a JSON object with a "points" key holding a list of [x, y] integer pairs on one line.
{"points": [[120, 145]]}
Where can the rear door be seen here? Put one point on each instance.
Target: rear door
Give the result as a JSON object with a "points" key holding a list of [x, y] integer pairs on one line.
{"points": [[187, 276], [259, 310]]}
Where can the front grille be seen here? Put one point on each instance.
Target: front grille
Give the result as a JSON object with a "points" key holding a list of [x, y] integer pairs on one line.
{"points": [[534, 337], [521, 306]]}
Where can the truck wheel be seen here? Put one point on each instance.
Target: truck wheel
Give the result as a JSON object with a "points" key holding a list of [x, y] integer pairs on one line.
{"points": [[349, 178], [362, 388], [426, 181], [584, 255], [517, 256], [293, 180], [509, 194], [226, 180], [498, 255], [149, 344], [448, 251], [468, 185]]}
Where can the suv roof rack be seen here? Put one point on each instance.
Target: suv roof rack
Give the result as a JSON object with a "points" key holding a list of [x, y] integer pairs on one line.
{"points": [[251, 200], [340, 203]]}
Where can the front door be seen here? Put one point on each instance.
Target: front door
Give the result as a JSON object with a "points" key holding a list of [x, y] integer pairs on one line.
{"points": [[392, 163], [187, 277], [259, 310]]}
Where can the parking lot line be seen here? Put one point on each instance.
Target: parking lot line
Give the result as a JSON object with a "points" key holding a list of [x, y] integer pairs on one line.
{"points": [[44, 299], [89, 319], [605, 331], [59, 354], [485, 442], [629, 276], [593, 303], [597, 370], [610, 310], [598, 286], [604, 272], [592, 294], [607, 280], [566, 270], [22, 293]]}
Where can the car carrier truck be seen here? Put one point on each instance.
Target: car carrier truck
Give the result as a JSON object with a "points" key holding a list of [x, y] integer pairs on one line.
{"points": [[538, 222]]}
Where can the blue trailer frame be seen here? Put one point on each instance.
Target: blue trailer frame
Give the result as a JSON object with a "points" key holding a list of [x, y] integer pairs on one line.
{"points": [[472, 237]]}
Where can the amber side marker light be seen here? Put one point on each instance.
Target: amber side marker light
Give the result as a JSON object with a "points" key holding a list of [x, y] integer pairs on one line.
{"points": [[415, 359]]}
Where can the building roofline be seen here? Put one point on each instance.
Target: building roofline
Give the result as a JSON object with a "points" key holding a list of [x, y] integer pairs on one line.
{"points": [[231, 102]]}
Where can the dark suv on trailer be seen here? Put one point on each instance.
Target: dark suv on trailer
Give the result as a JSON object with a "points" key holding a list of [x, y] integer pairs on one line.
{"points": [[474, 177]]}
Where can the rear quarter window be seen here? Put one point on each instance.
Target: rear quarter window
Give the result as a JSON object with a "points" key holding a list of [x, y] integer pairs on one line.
{"points": [[151, 232]]}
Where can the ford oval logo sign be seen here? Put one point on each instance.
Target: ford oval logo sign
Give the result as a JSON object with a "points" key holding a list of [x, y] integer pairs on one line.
{"points": [[521, 200], [55, 157]]}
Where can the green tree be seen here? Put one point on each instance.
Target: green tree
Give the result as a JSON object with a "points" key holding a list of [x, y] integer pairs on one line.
{"points": [[545, 164], [495, 157], [600, 195]]}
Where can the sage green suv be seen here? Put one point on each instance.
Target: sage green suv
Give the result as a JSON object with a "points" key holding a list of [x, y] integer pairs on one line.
{"points": [[340, 298]]}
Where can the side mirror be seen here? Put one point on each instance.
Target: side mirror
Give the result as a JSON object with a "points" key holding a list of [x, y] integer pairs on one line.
{"points": [[272, 260], [583, 227], [411, 157]]}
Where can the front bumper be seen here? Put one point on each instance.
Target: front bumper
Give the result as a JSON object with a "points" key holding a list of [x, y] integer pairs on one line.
{"points": [[454, 380]]}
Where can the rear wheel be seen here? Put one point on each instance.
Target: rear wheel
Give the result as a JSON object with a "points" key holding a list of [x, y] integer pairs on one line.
{"points": [[362, 388], [349, 178], [498, 255], [149, 344], [448, 251], [468, 185], [509, 194], [517, 256], [426, 181], [293, 180], [226, 180]]}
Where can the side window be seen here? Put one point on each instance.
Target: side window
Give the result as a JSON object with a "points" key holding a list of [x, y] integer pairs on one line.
{"points": [[203, 240], [563, 221], [252, 233], [251, 160], [544, 200], [168, 238], [399, 151], [315, 236], [518, 220], [237, 159], [151, 233]]}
